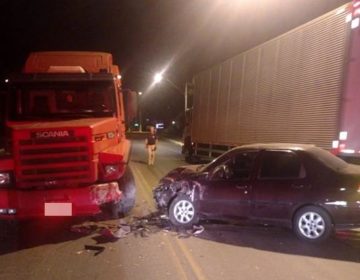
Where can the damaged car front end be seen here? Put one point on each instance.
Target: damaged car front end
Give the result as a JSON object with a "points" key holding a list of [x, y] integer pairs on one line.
{"points": [[177, 193]]}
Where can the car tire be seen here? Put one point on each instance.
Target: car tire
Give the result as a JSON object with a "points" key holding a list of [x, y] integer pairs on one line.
{"points": [[183, 212], [312, 224]]}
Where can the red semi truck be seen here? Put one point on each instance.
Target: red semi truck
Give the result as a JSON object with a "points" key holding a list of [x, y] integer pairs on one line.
{"points": [[66, 153], [300, 87]]}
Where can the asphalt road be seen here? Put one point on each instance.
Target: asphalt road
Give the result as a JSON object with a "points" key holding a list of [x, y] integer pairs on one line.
{"points": [[85, 249]]}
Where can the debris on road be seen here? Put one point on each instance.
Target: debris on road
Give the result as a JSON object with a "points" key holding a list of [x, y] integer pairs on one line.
{"points": [[122, 232], [98, 249], [107, 232], [194, 231], [197, 229]]}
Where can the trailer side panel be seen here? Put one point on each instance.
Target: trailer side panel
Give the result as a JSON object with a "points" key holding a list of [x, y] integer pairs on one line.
{"points": [[285, 90]]}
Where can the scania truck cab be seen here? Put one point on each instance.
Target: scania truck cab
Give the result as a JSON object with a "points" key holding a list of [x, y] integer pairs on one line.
{"points": [[65, 151]]}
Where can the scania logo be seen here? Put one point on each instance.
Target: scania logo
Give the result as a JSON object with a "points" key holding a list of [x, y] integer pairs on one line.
{"points": [[52, 134]]}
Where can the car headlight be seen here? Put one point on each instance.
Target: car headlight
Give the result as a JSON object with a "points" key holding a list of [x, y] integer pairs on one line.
{"points": [[4, 179]]}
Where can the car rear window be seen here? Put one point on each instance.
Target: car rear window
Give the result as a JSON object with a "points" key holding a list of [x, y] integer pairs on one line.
{"points": [[280, 164], [327, 159]]}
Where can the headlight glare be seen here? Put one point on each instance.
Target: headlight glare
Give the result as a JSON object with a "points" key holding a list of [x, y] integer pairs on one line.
{"points": [[4, 178], [111, 169]]}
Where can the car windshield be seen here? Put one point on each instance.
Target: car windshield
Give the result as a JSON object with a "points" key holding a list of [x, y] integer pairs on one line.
{"points": [[63, 100], [217, 161], [328, 159]]}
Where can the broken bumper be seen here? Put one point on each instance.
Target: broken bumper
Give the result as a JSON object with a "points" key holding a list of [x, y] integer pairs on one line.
{"points": [[163, 195], [23, 204]]}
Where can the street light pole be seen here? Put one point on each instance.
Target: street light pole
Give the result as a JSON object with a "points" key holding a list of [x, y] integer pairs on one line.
{"points": [[139, 111]]}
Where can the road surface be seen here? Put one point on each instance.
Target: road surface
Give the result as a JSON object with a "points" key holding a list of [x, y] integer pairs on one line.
{"points": [[84, 249]]}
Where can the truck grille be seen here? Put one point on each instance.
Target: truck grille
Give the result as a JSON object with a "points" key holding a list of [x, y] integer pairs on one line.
{"points": [[53, 162]]}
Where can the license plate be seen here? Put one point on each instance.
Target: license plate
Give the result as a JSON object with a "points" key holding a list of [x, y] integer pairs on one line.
{"points": [[58, 209]]}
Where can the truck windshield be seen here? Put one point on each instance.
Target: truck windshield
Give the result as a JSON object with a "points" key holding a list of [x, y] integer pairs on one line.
{"points": [[67, 100]]}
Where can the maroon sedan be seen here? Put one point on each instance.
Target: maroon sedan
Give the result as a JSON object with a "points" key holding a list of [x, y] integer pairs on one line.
{"points": [[299, 186]]}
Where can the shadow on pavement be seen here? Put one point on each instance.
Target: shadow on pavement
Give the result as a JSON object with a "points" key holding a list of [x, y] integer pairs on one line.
{"points": [[32, 233], [344, 246]]}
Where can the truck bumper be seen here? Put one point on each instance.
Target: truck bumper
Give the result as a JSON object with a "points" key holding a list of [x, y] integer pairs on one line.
{"points": [[24, 204]]}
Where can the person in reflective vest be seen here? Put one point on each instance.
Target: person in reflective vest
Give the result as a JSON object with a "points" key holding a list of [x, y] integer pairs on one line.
{"points": [[150, 144]]}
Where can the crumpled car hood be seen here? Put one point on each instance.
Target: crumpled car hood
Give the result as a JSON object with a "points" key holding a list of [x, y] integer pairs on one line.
{"points": [[181, 172], [176, 180]]}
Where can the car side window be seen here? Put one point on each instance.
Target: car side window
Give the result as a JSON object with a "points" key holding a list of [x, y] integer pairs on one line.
{"points": [[280, 165], [240, 165]]}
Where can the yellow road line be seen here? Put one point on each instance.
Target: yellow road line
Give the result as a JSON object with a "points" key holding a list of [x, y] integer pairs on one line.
{"points": [[195, 267], [176, 259]]}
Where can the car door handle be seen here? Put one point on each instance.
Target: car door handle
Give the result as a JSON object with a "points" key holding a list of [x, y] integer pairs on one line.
{"points": [[244, 187], [295, 186]]}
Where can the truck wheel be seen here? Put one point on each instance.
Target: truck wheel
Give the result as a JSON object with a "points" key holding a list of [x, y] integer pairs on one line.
{"points": [[183, 212], [10, 235], [128, 188], [312, 224]]}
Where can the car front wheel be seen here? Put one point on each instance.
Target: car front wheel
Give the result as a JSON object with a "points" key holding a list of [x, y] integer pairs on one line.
{"points": [[183, 212], [312, 224]]}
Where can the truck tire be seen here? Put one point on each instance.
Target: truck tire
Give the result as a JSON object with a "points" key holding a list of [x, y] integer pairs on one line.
{"points": [[312, 224], [9, 236], [128, 188]]}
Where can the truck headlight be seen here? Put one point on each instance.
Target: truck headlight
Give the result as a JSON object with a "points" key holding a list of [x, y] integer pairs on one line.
{"points": [[111, 169], [4, 179]]}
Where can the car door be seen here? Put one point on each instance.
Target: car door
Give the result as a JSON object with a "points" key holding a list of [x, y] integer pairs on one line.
{"points": [[281, 183], [228, 189]]}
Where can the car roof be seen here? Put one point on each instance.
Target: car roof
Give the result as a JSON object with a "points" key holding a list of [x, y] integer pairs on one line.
{"points": [[276, 146], [325, 157]]}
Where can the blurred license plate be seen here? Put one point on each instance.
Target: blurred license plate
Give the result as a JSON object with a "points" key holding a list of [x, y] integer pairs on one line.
{"points": [[58, 209]]}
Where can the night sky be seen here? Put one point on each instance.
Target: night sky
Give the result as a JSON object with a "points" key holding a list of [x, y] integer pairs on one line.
{"points": [[146, 35]]}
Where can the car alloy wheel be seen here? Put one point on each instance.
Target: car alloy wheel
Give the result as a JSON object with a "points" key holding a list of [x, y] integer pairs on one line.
{"points": [[312, 224], [184, 211]]}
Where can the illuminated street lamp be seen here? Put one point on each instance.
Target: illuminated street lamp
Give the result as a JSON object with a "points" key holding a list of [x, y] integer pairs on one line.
{"points": [[158, 77], [139, 110]]}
